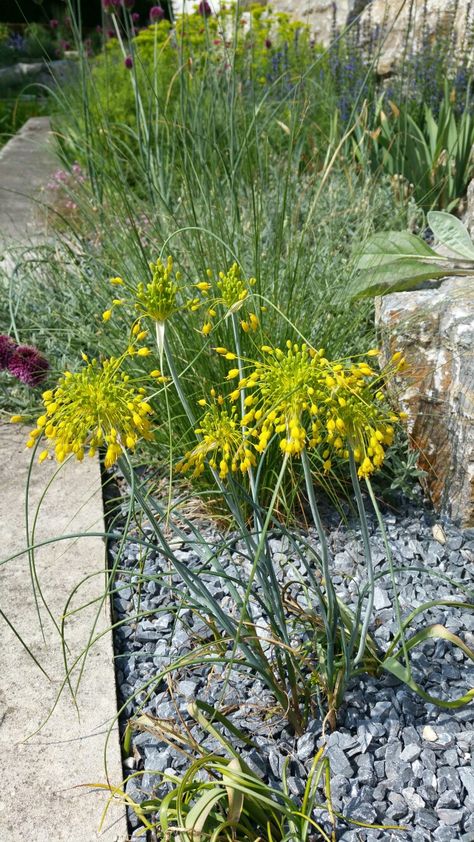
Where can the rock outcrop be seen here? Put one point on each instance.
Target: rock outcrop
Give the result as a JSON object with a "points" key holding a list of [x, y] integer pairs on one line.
{"points": [[391, 18], [434, 329], [423, 18]]}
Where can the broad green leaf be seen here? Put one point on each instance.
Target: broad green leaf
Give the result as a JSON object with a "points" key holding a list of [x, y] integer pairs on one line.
{"points": [[390, 247], [450, 231], [397, 276]]}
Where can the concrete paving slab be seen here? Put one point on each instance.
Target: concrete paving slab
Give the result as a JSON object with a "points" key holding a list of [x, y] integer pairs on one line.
{"points": [[26, 162], [41, 797]]}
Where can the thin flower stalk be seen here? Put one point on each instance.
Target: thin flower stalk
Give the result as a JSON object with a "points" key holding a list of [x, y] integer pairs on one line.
{"points": [[332, 611], [368, 558]]}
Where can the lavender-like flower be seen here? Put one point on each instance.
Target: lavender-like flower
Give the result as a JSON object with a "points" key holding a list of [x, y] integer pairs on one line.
{"points": [[7, 349], [28, 365]]}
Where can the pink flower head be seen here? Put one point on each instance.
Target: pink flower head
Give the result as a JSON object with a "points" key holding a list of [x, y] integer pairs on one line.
{"points": [[28, 365], [7, 349], [128, 62], [156, 14], [204, 9], [135, 17], [110, 5], [53, 24]]}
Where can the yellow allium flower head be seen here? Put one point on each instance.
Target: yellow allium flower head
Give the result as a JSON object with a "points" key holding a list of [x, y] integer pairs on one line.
{"points": [[233, 288], [355, 414], [232, 291], [97, 406], [282, 391], [222, 444], [160, 298], [307, 401]]}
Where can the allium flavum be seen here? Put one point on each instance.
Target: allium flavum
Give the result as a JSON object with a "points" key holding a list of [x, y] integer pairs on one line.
{"points": [[222, 445], [308, 401], [159, 299], [97, 406], [232, 291]]}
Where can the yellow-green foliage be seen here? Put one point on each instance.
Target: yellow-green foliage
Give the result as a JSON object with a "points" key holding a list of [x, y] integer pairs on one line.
{"points": [[257, 48]]}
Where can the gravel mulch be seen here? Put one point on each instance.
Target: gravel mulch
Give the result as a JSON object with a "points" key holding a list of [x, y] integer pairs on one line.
{"points": [[395, 759]]}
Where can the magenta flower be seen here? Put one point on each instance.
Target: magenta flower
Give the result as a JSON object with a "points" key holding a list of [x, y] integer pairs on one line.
{"points": [[204, 9], [53, 24], [156, 14], [135, 17], [28, 365], [128, 62], [110, 5], [7, 349]]}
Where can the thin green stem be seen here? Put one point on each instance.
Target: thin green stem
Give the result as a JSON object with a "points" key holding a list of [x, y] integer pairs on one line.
{"points": [[368, 557], [332, 610]]}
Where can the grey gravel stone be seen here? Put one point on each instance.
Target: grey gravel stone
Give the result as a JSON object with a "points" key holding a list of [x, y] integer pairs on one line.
{"points": [[411, 752], [451, 817], [466, 775], [380, 765]]}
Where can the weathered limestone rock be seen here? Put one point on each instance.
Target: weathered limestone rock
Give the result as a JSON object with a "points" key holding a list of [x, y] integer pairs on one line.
{"points": [[435, 331], [390, 17], [320, 15], [452, 18]]}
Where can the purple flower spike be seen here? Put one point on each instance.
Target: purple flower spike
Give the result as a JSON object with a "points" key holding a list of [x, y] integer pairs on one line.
{"points": [[28, 365], [7, 349], [204, 9], [156, 14], [128, 62]]}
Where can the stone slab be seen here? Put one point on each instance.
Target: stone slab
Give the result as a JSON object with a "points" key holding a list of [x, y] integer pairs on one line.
{"points": [[42, 795], [26, 162]]}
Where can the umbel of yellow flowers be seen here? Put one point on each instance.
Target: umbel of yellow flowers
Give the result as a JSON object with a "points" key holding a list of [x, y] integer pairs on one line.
{"points": [[97, 406], [306, 401]]}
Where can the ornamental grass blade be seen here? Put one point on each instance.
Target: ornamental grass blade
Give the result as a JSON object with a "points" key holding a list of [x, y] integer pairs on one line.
{"points": [[225, 721], [236, 798], [199, 814], [403, 673]]}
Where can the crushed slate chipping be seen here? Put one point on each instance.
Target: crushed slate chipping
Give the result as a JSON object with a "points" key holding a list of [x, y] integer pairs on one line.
{"points": [[395, 759]]}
